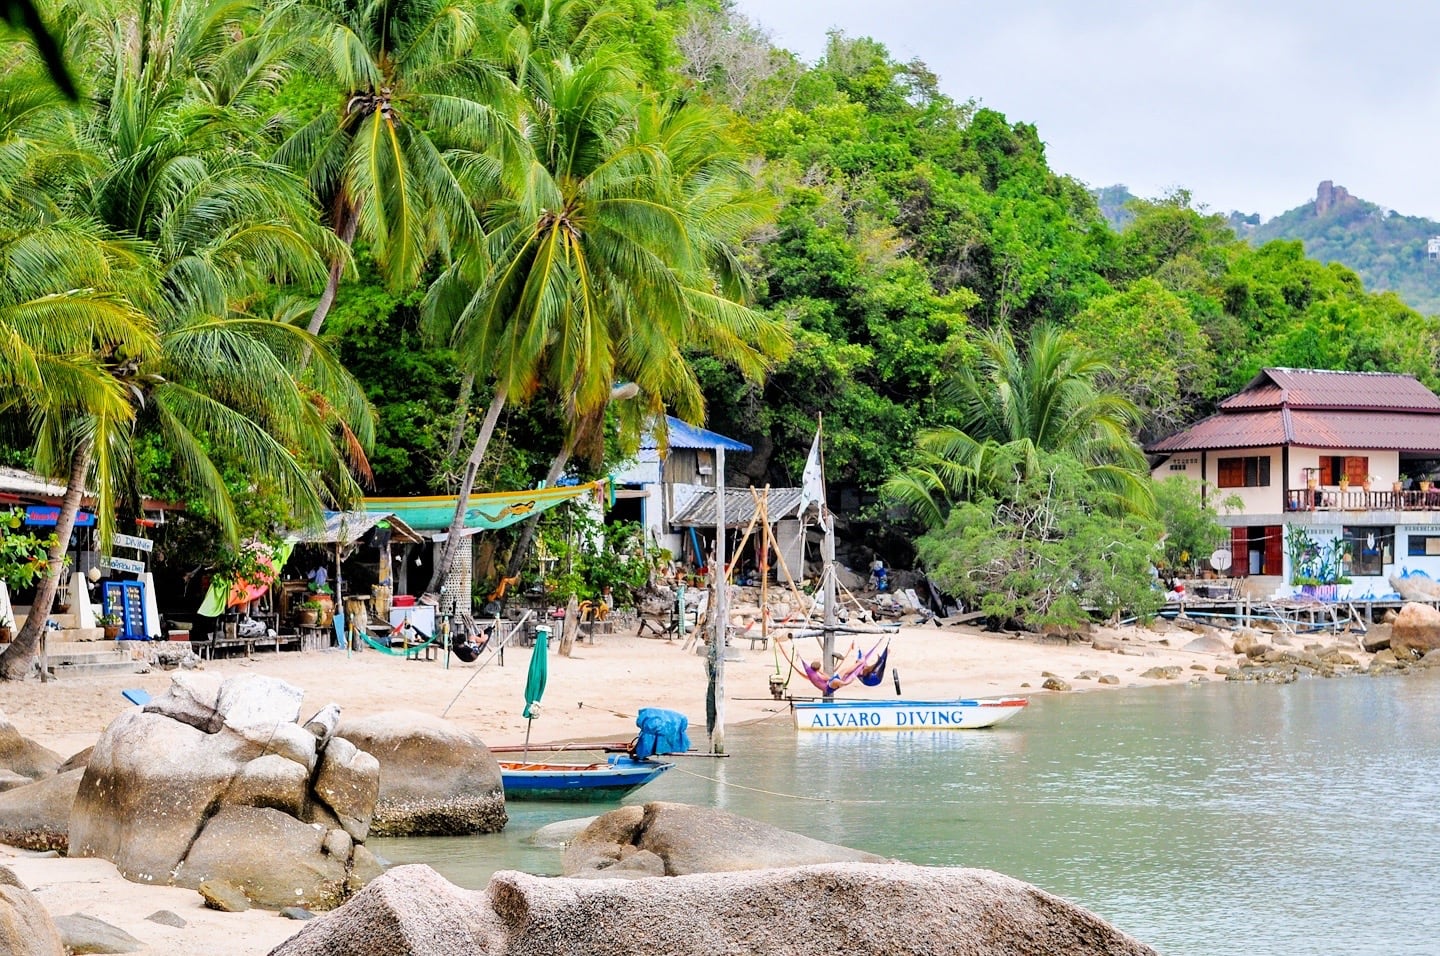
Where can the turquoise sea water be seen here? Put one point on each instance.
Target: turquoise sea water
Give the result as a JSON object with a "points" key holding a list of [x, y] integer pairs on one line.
{"points": [[1212, 818]]}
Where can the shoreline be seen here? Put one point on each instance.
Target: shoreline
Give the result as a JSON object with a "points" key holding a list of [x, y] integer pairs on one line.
{"points": [[589, 698]]}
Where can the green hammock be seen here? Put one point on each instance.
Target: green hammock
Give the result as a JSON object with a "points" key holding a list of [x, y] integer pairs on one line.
{"points": [[405, 651]]}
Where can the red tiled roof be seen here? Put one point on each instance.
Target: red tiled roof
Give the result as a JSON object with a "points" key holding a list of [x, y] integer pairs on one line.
{"points": [[1387, 431], [1317, 388]]}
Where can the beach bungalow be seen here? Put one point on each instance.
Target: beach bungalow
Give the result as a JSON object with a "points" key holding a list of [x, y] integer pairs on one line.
{"points": [[1334, 470], [659, 484]]}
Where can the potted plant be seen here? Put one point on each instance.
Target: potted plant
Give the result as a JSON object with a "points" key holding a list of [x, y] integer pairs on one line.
{"points": [[1398, 486], [1369, 480], [1344, 483], [7, 630], [1312, 478], [111, 621], [308, 612]]}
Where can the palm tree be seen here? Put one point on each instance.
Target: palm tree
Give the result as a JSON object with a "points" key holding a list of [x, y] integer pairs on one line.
{"points": [[62, 336], [1014, 405], [166, 161], [604, 264], [413, 83]]}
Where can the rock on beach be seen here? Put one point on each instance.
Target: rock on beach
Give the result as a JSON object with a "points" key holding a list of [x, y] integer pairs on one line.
{"points": [[883, 908]]}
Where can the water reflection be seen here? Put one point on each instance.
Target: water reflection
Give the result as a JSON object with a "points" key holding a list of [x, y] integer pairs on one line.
{"points": [[1213, 818]]}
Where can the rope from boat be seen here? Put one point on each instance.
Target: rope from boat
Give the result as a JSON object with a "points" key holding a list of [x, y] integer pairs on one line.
{"points": [[770, 793]]}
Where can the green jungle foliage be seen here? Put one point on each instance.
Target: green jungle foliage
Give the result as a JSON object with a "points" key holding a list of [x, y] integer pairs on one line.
{"points": [[843, 227], [1385, 249], [1041, 555]]}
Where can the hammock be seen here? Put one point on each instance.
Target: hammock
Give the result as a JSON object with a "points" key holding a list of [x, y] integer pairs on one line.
{"points": [[406, 648], [851, 669], [871, 674]]}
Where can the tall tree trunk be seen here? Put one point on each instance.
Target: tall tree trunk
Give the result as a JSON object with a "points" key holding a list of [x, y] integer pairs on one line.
{"points": [[15, 663], [521, 551], [446, 559], [345, 229], [462, 417]]}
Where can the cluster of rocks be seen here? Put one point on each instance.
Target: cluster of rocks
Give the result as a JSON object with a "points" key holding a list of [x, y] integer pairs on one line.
{"points": [[220, 788], [731, 884], [1409, 638]]}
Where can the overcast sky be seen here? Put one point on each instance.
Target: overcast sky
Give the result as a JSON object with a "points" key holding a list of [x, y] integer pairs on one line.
{"points": [[1247, 104]]}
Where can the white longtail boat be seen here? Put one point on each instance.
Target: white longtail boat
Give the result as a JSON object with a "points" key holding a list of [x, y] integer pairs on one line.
{"points": [[904, 715]]}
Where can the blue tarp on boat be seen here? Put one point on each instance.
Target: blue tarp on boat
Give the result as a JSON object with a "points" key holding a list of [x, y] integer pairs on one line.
{"points": [[661, 732]]}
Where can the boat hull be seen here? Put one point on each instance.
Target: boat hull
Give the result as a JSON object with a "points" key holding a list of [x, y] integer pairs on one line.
{"points": [[838, 716], [606, 780]]}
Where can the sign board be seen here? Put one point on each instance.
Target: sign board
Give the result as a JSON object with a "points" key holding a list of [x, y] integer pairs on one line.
{"points": [[123, 564], [130, 541], [50, 514]]}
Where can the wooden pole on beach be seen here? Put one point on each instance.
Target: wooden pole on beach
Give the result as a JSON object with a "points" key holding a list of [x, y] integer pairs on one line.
{"points": [[827, 564], [720, 610]]}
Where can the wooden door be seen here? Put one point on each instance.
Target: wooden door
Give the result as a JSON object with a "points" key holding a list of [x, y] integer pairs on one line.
{"points": [[1274, 559], [1239, 552]]}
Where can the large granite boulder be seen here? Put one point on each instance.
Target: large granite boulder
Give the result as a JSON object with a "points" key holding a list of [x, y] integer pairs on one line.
{"points": [[1415, 632], [271, 856], [218, 781], [691, 839], [37, 816], [26, 929], [857, 908], [23, 756], [1416, 587], [435, 779]]}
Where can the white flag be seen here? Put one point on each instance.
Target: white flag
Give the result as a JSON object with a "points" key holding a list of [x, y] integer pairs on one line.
{"points": [[812, 482]]}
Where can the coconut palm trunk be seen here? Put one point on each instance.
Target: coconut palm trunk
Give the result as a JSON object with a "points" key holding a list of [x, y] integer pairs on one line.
{"points": [[521, 551], [20, 656], [445, 560], [462, 415]]}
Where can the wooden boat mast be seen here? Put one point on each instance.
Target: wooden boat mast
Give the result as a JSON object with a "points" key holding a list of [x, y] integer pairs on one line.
{"points": [[827, 559]]}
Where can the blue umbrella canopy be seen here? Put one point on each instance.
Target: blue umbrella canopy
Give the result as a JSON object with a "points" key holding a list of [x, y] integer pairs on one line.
{"points": [[539, 671]]}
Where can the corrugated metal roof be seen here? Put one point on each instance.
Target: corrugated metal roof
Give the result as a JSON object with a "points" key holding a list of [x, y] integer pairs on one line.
{"points": [[692, 436], [21, 482], [347, 527], [1387, 431], [1232, 430], [1319, 388], [739, 508]]}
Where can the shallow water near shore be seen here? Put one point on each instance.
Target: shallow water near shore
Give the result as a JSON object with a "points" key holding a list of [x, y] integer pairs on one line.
{"points": [[1212, 818]]}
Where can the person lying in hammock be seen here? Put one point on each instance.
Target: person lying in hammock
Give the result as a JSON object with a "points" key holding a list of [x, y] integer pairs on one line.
{"points": [[868, 668], [829, 683], [872, 667]]}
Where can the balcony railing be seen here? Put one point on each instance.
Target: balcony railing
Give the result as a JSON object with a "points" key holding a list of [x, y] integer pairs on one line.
{"points": [[1358, 499]]}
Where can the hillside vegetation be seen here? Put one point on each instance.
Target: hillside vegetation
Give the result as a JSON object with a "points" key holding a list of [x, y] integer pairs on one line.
{"points": [[516, 205], [1386, 249]]}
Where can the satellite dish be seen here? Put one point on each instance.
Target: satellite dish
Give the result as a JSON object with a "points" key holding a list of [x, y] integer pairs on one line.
{"points": [[1220, 559]]}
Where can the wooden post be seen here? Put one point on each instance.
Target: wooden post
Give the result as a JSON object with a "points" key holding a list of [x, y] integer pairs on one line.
{"points": [[764, 566], [721, 608], [570, 626], [827, 576]]}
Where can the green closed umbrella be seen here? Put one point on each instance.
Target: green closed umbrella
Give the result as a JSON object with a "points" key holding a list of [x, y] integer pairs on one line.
{"points": [[535, 682]]}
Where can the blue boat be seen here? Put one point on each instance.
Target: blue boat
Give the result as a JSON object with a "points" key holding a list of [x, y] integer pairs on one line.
{"points": [[610, 779]]}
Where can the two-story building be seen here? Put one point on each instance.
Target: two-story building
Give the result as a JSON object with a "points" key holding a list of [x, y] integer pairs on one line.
{"points": [[1346, 456]]}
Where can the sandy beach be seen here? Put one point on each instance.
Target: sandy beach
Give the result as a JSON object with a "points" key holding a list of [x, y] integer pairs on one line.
{"points": [[591, 695]]}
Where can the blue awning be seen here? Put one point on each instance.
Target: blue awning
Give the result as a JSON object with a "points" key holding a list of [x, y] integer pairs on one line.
{"points": [[692, 436]]}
